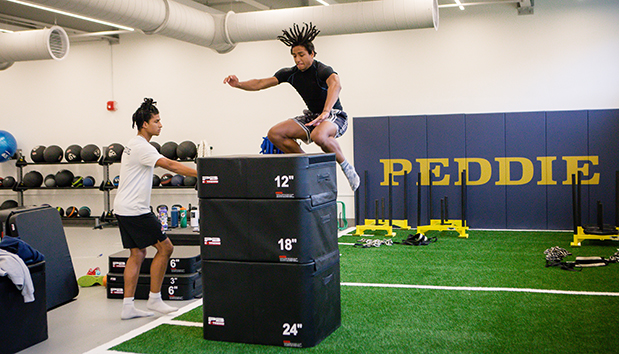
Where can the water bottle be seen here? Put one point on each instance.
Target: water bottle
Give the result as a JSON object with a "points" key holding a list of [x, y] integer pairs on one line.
{"points": [[163, 217], [195, 219], [183, 217], [174, 217]]}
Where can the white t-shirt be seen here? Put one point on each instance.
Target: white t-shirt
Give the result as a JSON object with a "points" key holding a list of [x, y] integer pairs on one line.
{"points": [[136, 178]]}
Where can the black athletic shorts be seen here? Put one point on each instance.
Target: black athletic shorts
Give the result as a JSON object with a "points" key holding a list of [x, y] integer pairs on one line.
{"points": [[337, 117], [140, 231]]}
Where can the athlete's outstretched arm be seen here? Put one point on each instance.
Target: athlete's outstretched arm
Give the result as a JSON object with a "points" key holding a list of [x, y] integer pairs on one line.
{"points": [[251, 85]]}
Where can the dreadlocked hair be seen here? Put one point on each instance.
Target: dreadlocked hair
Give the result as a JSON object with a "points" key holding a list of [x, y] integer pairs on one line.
{"points": [[144, 113], [296, 36]]}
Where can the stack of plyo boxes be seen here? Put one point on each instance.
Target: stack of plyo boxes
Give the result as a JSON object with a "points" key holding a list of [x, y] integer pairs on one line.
{"points": [[182, 280], [270, 258]]}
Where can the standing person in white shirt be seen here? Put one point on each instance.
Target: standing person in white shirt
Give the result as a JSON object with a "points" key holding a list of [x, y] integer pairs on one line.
{"points": [[139, 226]]}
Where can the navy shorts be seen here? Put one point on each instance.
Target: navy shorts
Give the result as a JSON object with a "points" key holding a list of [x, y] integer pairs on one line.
{"points": [[140, 231], [337, 117]]}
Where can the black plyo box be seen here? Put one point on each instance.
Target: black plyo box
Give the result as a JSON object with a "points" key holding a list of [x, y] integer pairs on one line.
{"points": [[184, 260], [267, 230], [175, 287], [292, 305], [268, 176]]}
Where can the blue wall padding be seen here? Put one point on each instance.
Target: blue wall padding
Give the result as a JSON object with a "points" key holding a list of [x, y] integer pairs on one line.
{"points": [[566, 134], [446, 137], [604, 142], [519, 165], [525, 136], [373, 144], [484, 131], [413, 132]]}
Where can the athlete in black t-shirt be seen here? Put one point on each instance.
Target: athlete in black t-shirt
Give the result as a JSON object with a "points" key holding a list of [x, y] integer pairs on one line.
{"points": [[319, 86]]}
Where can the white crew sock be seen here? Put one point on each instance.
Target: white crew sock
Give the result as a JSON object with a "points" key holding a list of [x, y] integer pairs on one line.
{"points": [[129, 311], [351, 175], [155, 303]]}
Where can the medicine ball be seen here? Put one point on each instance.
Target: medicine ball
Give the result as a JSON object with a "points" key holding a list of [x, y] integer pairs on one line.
{"points": [[72, 212], [60, 211], [177, 180], [78, 181], [64, 178], [8, 182], [33, 179], [166, 179], [8, 204], [115, 152], [52, 153], [37, 153], [156, 180], [50, 181], [169, 150], [190, 181], [90, 153], [186, 150], [8, 145], [156, 145], [89, 181], [84, 212], [116, 181], [73, 153]]}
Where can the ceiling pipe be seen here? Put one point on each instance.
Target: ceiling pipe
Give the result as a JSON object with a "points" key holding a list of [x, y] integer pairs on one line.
{"points": [[47, 43], [222, 32], [359, 17]]}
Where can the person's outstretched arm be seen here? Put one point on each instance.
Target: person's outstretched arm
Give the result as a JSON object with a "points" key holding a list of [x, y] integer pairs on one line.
{"points": [[176, 167], [251, 85]]}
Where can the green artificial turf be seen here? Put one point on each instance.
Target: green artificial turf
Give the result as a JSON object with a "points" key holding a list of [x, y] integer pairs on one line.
{"points": [[486, 258], [406, 320]]}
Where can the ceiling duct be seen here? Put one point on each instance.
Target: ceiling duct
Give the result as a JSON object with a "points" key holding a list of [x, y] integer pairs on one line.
{"points": [[47, 43], [360, 17], [223, 31]]}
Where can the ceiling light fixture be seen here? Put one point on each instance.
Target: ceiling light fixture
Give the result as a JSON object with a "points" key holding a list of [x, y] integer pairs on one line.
{"points": [[5, 30], [323, 2], [71, 15], [459, 4]]}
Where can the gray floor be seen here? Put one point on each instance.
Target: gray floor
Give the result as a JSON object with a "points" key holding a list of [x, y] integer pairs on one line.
{"points": [[91, 319]]}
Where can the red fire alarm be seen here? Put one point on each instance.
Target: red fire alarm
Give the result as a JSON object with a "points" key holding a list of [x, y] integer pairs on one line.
{"points": [[111, 105]]}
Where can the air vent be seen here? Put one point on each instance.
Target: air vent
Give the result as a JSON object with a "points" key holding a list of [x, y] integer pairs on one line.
{"points": [[58, 43]]}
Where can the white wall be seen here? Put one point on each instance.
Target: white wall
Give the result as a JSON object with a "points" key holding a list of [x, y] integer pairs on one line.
{"points": [[483, 59]]}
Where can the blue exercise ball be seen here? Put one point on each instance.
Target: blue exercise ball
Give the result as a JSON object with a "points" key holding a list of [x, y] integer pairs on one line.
{"points": [[8, 145]]}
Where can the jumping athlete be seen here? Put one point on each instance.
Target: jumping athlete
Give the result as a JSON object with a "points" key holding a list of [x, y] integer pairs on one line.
{"points": [[138, 225], [324, 119]]}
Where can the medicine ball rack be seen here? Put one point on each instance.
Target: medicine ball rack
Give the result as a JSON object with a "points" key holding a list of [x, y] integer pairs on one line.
{"points": [[107, 217]]}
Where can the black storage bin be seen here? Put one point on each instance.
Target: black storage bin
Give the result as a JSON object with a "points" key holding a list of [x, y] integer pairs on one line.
{"points": [[291, 305], [175, 287], [267, 176], [23, 324], [41, 228], [267, 230], [184, 260]]}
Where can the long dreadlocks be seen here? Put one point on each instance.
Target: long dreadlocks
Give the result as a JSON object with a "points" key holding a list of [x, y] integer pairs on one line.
{"points": [[296, 36]]}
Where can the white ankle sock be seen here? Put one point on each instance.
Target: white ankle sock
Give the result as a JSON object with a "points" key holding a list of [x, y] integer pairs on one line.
{"points": [[351, 175], [129, 311], [155, 303]]}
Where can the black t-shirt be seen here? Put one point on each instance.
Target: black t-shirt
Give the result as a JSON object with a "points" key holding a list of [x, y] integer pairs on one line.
{"points": [[311, 84]]}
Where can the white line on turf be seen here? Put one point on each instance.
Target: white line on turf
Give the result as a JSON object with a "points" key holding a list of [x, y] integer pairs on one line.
{"points": [[169, 319], [103, 349], [185, 323], [479, 288]]}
